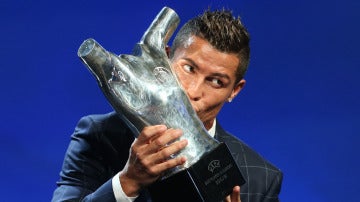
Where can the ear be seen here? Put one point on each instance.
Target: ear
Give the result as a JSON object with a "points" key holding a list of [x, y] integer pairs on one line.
{"points": [[167, 50], [237, 88]]}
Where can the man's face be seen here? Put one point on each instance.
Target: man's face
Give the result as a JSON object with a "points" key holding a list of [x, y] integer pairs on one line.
{"points": [[208, 77]]}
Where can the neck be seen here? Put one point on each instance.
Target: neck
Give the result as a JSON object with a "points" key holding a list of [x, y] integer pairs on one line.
{"points": [[208, 124]]}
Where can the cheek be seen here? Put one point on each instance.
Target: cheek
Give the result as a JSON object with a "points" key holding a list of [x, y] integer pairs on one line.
{"points": [[217, 97], [183, 79], [185, 82]]}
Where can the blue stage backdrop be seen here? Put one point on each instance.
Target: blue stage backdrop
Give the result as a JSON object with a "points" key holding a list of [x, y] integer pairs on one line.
{"points": [[299, 109]]}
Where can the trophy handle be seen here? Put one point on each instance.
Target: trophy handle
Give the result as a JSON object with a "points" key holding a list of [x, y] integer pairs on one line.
{"points": [[161, 29]]}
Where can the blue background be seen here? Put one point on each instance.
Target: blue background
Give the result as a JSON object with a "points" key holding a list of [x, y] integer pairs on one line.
{"points": [[299, 109]]}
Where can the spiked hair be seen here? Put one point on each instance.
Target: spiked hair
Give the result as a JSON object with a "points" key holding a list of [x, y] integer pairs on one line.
{"points": [[223, 31]]}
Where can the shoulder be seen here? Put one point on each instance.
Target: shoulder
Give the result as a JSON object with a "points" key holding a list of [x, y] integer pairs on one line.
{"points": [[242, 151], [98, 126], [259, 173], [98, 149], [106, 136], [97, 122]]}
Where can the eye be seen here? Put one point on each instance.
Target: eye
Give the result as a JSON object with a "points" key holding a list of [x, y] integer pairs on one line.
{"points": [[188, 68], [216, 82]]}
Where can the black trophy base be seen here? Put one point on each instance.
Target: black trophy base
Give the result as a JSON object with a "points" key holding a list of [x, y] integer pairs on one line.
{"points": [[210, 179]]}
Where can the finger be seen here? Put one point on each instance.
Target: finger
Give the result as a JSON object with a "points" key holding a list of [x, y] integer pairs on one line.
{"points": [[168, 164], [160, 155], [166, 152], [165, 139], [235, 195], [227, 199], [139, 148], [162, 161], [150, 132], [151, 161]]}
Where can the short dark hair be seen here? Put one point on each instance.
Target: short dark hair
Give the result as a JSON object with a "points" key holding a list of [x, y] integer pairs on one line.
{"points": [[223, 31]]}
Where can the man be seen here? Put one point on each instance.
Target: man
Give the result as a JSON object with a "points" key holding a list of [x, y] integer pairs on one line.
{"points": [[104, 162]]}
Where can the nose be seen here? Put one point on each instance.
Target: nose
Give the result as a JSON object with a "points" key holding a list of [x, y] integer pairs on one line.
{"points": [[194, 90]]}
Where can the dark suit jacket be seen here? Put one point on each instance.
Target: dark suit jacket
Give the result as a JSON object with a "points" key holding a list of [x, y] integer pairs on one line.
{"points": [[99, 149]]}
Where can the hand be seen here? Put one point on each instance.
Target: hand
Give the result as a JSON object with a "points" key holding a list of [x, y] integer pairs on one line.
{"points": [[150, 156], [234, 196]]}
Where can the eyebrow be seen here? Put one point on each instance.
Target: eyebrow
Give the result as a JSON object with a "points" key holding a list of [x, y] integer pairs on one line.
{"points": [[193, 64]]}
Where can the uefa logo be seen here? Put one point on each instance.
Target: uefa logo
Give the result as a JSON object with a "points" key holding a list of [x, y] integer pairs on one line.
{"points": [[213, 165], [162, 74]]}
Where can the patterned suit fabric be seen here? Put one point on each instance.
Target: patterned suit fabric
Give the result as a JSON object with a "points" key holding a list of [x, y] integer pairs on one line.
{"points": [[99, 149]]}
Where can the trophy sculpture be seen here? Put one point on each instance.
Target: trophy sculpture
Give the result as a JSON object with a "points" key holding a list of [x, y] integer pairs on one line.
{"points": [[143, 90]]}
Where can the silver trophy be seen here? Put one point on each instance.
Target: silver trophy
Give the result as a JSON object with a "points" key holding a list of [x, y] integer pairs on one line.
{"points": [[143, 87], [144, 90]]}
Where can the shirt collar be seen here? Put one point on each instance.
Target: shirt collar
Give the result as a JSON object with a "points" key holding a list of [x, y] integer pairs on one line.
{"points": [[212, 130]]}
